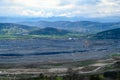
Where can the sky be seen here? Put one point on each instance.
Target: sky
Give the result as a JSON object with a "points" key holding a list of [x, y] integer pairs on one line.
{"points": [[60, 8]]}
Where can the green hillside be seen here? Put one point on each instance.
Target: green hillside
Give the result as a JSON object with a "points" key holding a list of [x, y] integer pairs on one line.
{"points": [[13, 29], [49, 31], [109, 34]]}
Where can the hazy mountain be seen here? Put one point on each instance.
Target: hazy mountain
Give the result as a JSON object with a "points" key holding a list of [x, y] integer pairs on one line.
{"points": [[109, 34], [60, 18], [86, 27], [81, 26]]}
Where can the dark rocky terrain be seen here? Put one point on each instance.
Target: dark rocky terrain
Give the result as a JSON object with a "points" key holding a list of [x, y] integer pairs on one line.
{"points": [[41, 50]]}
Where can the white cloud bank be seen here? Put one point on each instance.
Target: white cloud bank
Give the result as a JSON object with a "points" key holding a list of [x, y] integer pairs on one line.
{"points": [[68, 8]]}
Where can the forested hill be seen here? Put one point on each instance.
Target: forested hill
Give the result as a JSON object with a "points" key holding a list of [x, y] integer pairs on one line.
{"points": [[49, 31], [109, 34], [12, 29]]}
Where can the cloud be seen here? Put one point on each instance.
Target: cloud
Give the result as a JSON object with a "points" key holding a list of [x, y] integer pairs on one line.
{"points": [[68, 8]]}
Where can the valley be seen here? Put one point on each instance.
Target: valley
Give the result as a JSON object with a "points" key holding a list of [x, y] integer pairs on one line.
{"points": [[27, 52], [40, 50], [59, 39]]}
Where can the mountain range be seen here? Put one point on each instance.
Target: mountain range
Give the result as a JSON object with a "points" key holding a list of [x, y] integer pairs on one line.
{"points": [[103, 30], [60, 18], [18, 29], [79, 26]]}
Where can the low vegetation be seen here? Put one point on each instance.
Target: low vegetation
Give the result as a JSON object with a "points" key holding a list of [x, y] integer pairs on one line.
{"points": [[70, 75]]}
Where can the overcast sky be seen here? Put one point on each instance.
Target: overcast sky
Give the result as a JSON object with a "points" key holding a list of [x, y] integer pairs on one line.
{"points": [[67, 8]]}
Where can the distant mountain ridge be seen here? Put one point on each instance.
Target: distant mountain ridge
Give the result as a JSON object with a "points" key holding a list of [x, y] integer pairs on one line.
{"points": [[59, 18], [80, 26], [57, 27], [109, 34]]}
